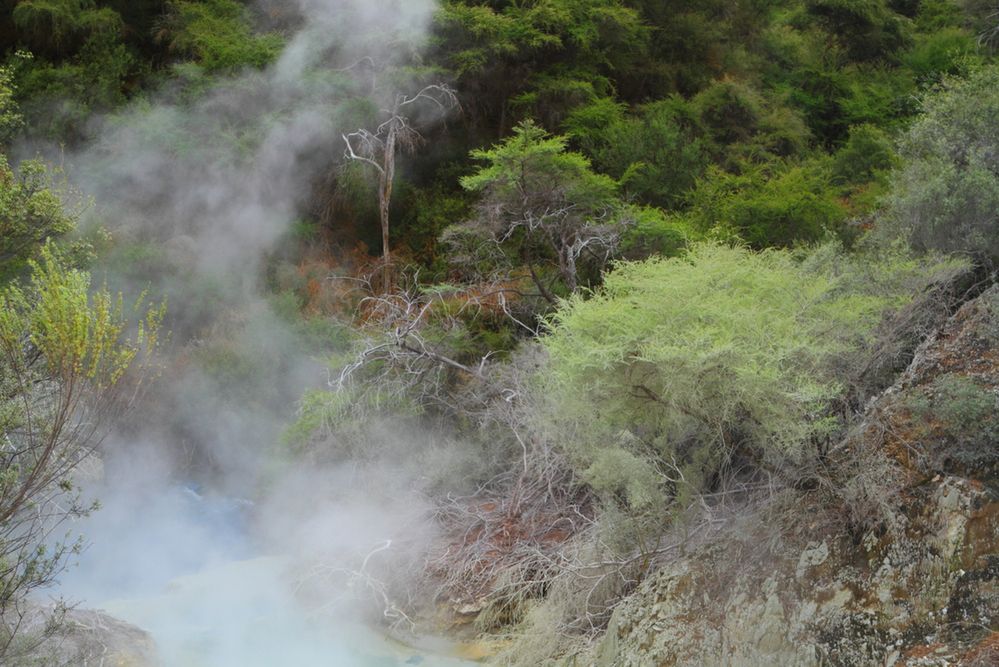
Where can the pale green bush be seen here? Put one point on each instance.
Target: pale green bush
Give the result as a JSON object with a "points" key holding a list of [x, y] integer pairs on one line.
{"points": [[679, 370]]}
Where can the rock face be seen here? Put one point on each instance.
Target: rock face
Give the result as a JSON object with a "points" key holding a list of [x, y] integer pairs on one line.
{"points": [[920, 587], [86, 637]]}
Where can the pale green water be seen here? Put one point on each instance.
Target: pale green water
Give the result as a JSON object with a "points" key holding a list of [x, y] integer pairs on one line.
{"points": [[182, 568], [242, 614]]}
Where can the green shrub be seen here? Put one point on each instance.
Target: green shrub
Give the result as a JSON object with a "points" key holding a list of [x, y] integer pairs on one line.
{"points": [[877, 94], [867, 155], [867, 29], [963, 405], [738, 120], [553, 96], [680, 367], [946, 52], [31, 212], [658, 153], [59, 27], [586, 124], [963, 411], [773, 205], [936, 14], [730, 111], [653, 232], [946, 196], [11, 119], [820, 93], [218, 35], [426, 212]]}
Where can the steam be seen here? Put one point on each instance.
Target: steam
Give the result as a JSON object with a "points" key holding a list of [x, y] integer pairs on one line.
{"points": [[231, 169], [199, 187]]}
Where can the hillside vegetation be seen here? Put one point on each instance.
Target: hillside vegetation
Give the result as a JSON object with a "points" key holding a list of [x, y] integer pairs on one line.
{"points": [[626, 288]]}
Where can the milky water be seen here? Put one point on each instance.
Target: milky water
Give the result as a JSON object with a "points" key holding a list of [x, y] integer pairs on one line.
{"points": [[181, 566]]}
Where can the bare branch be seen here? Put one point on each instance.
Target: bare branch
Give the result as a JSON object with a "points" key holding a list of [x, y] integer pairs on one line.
{"points": [[363, 136]]}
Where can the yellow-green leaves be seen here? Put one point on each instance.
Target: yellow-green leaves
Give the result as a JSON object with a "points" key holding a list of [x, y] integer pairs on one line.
{"points": [[80, 334], [10, 116], [31, 211], [723, 354], [65, 349]]}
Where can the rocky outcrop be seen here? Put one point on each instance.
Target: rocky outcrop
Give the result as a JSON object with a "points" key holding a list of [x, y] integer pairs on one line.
{"points": [[81, 638], [919, 586]]}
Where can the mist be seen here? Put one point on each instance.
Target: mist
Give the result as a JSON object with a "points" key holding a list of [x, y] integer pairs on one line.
{"points": [[207, 537]]}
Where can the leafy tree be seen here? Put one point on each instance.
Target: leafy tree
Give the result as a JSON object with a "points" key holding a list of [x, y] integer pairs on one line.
{"points": [[867, 29], [58, 91], [693, 42], [217, 34], [738, 118], [31, 211], [806, 60], [587, 124], [730, 111], [10, 116], [657, 153], [56, 28], [866, 156], [946, 195], [540, 204], [68, 366], [653, 232], [940, 53], [534, 53], [820, 93], [59, 99], [551, 96]]}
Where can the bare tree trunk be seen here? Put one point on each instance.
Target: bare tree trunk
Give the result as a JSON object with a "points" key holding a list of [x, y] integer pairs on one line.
{"points": [[570, 272], [567, 263], [384, 202]]}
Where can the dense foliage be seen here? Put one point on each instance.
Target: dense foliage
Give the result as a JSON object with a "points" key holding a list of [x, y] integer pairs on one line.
{"points": [[722, 359], [946, 195], [540, 203], [31, 211]]}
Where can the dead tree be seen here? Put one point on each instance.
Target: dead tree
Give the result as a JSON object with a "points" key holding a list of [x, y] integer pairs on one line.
{"points": [[378, 148], [401, 347]]}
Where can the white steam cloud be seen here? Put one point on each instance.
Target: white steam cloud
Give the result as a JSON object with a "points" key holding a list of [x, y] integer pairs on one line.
{"points": [[201, 185]]}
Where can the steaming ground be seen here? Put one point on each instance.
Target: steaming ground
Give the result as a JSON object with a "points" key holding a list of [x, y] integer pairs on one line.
{"points": [[227, 558], [220, 582]]}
